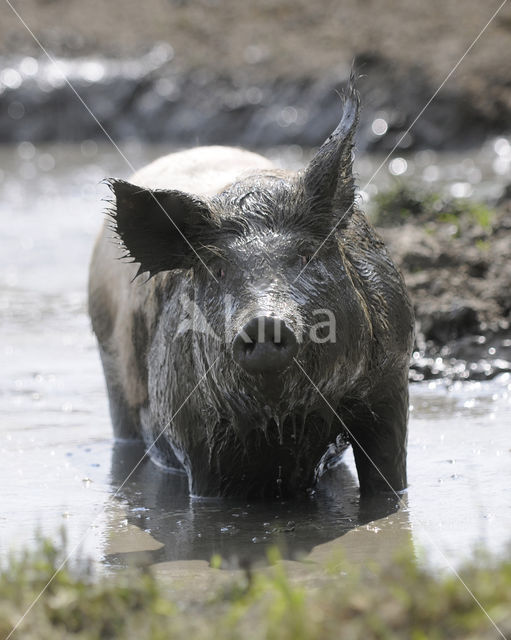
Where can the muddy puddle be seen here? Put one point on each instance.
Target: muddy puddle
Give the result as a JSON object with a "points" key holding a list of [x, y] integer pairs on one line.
{"points": [[60, 466]]}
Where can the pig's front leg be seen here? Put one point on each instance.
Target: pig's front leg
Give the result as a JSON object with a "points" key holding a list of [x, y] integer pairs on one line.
{"points": [[378, 434]]}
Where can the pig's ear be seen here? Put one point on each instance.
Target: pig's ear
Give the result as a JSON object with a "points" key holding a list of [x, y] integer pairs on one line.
{"points": [[328, 179], [162, 230]]}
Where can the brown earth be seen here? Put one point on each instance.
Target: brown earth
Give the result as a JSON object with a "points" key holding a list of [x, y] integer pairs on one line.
{"points": [[458, 273], [291, 39]]}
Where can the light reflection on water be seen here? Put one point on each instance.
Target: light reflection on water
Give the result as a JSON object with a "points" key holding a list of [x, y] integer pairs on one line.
{"points": [[58, 462]]}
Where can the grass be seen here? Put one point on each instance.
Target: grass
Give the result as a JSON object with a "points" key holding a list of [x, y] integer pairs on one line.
{"points": [[399, 600], [401, 203]]}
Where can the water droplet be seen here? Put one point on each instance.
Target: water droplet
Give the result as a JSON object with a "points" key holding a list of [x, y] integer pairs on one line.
{"points": [[502, 147], [288, 116], [93, 71], [461, 190], [379, 127], [29, 66], [398, 166], [10, 78]]}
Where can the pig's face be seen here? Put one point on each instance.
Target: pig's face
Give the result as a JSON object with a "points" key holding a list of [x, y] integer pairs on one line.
{"points": [[261, 291], [270, 277]]}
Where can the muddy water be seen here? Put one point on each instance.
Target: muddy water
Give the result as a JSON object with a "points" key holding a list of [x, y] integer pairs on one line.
{"points": [[60, 466]]}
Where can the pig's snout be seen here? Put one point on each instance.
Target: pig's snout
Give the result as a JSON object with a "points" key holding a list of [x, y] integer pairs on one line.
{"points": [[264, 345]]}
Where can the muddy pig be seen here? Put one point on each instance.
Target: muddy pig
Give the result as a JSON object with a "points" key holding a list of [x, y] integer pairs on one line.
{"points": [[268, 328]]}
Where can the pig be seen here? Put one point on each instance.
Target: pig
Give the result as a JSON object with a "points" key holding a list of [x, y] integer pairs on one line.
{"points": [[250, 322]]}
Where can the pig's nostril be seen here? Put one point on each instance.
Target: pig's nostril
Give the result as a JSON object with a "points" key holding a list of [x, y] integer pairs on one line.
{"points": [[265, 344]]}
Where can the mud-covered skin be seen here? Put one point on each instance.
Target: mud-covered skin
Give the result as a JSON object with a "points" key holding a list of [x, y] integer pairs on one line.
{"points": [[236, 433]]}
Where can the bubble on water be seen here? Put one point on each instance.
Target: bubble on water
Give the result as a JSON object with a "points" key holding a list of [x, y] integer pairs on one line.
{"points": [[29, 66], [287, 116], [398, 166], [26, 150], [379, 127], [431, 173], [10, 78], [55, 77], [93, 71], [461, 190], [502, 147], [16, 110]]}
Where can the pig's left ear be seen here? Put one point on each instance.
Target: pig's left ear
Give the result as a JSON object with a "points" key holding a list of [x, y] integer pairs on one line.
{"points": [[162, 230], [328, 179]]}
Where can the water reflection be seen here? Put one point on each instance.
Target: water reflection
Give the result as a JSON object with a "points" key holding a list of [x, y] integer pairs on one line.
{"points": [[157, 503]]}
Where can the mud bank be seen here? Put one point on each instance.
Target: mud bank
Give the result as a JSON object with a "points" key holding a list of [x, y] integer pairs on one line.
{"points": [[455, 256], [257, 74], [150, 98]]}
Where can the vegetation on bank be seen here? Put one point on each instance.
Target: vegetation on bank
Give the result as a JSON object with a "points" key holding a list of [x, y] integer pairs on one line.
{"points": [[402, 203], [399, 600]]}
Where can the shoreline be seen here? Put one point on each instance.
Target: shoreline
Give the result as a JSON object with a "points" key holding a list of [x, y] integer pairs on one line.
{"points": [[152, 99]]}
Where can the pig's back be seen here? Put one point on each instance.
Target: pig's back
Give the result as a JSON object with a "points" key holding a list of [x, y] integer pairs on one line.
{"points": [[203, 171]]}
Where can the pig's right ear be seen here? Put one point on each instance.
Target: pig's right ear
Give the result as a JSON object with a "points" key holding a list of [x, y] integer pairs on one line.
{"points": [[162, 230]]}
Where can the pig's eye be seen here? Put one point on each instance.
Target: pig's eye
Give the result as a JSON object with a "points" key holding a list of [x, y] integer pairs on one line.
{"points": [[304, 260]]}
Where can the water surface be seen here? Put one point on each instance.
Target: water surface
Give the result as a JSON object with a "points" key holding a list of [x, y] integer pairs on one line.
{"points": [[60, 465]]}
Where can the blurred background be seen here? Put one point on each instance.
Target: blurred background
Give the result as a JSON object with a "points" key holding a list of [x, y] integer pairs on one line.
{"points": [[154, 76], [260, 73]]}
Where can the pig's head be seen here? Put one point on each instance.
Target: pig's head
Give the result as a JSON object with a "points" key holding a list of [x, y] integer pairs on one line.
{"points": [[270, 274]]}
